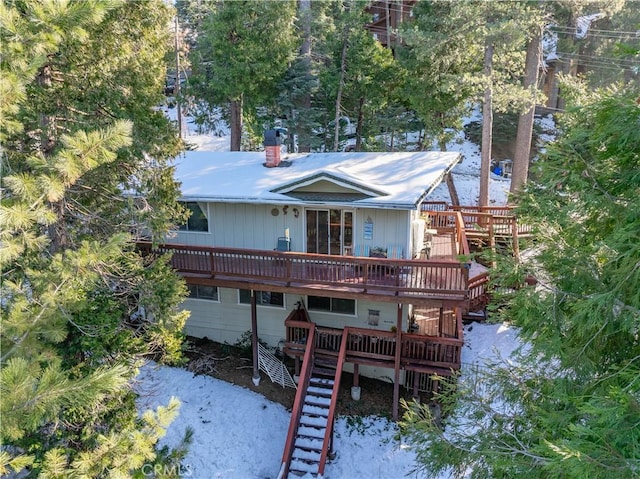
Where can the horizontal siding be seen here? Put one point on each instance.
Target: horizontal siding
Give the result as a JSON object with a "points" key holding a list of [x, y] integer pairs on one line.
{"points": [[226, 321]]}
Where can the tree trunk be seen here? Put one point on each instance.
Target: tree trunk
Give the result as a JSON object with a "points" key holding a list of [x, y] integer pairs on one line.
{"points": [[177, 84], [453, 193], [387, 8], [525, 121], [343, 68], [487, 126], [359, 124], [448, 178], [57, 230], [305, 53], [235, 118]]}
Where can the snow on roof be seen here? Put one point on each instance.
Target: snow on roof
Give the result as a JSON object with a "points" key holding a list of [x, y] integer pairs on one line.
{"points": [[402, 178], [583, 24]]}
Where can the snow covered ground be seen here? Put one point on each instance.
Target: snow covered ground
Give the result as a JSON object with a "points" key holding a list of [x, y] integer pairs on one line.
{"points": [[238, 434]]}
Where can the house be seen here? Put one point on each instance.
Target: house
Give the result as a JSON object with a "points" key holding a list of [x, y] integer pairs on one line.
{"points": [[386, 17], [337, 204], [335, 258]]}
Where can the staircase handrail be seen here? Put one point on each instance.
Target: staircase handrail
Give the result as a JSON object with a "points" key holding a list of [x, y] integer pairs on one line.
{"points": [[461, 239], [328, 433], [298, 403]]}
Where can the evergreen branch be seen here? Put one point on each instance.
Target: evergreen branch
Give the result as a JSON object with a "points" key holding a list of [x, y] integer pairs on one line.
{"points": [[592, 338], [17, 342]]}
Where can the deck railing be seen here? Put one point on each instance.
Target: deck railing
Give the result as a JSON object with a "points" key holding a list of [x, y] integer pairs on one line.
{"points": [[435, 206], [376, 347], [430, 352], [478, 292], [503, 221], [449, 222], [409, 278]]}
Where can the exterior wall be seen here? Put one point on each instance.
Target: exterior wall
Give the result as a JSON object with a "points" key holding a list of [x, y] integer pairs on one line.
{"points": [[390, 228], [226, 321], [247, 226], [257, 227]]}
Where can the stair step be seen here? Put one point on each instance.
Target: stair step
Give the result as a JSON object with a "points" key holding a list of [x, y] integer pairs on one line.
{"points": [[308, 444], [316, 391], [313, 432], [321, 381], [323, 371], [306, 455], [311, 410], [303, 467], [317, 400], [294, 474], [329, 361], [315, 421]]}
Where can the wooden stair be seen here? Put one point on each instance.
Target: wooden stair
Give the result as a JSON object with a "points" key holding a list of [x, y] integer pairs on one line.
{"points": [[310, 436]]}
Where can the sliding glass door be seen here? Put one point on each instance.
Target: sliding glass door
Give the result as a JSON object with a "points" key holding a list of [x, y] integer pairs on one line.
{"points": [[329, 231]]}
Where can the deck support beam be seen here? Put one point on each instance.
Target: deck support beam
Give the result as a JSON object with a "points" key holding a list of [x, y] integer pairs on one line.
{"points": [[396, 379], [254, 339]]}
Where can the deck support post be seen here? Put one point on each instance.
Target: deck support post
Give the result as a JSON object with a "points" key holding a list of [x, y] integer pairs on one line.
{"points": [[254, 339], [356, 375], [396, 379], [296, 367]]}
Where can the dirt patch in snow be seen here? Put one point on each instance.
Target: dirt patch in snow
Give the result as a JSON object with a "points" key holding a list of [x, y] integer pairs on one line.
{"points": [[233, 364]]}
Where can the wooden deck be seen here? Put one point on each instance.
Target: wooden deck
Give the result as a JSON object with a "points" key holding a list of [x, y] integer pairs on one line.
{"points": [[380, 279], [438, 322], [485, 226], [445, 277], [488, 224], [419, 353]]}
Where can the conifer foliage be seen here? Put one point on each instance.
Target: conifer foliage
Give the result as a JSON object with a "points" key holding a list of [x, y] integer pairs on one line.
{"points": [[80, 82], [570, 407]]}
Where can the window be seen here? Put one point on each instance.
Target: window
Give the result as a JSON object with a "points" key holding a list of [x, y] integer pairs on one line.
{"points": [[333, 305], [265, 298], [200, 291], [197, 219]]}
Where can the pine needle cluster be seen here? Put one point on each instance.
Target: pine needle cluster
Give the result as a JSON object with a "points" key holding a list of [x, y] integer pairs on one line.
{"points": [[80, 308]]}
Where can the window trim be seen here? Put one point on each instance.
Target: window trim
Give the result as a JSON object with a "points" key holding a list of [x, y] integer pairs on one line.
{"points": [[184, 228], [324, 311], [266, 305], [217, 292]]}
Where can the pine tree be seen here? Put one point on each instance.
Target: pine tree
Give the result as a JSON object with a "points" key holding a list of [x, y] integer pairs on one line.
{"points": [[80, 128], [243, 51], [370, 81], [462, 53], [569, 408], [297, 100], [437, 55]]}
